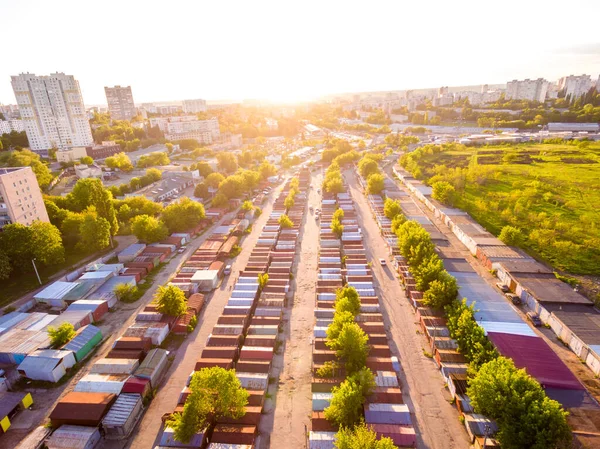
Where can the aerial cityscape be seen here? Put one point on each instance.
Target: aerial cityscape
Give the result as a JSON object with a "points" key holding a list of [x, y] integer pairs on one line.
{"points": [[256, 225]]}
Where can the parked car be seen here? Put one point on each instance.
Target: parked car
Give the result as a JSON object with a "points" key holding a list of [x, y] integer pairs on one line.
{"points": [[227, 270], [318, 190], [311, 209], [182, 249], [503, 287], [513, 298], [534, 318], [382, 262]]}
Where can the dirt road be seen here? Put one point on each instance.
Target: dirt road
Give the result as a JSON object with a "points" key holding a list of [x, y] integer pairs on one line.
{"points": [[435, 420], [147, 432], [293, 405]]}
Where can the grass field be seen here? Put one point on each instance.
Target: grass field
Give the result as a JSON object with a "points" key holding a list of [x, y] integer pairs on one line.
{"points": [[550, 191]]}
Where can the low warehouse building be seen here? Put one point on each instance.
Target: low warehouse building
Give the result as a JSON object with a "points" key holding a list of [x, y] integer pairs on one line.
{"points": [[81, 409], [47, 364], [86, 339], [123, 416], [79, 437]]}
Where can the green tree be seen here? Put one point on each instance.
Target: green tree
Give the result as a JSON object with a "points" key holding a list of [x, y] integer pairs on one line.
{"points": [[444, 192], [170, 300], [335, 327], [441, 292], [91, 192], [125, 292], [375, 183], [15, 242], [120, 161], [285, 222], [149, 229], [5, 268], [27, 158], [511, 236], [62, 335], [204, 169], [214, 179], [46, 243], [337, 228], [469, 336], [397, 221], [86, 160], [262, 279], [247, 206], [352, 347], [289, 201], [526, 417], [215, 393], [363, 437], [430, 270], [183, 215], [94, 231], [346, 405], [156, 159], [201, 190], [367, 167], [232, 187], [347, 300], [226, 162], [391, 208], [338, 214], [267, 170]]}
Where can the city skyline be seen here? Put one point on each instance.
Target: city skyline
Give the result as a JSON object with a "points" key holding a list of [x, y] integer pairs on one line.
{"points": [[259, 51]]}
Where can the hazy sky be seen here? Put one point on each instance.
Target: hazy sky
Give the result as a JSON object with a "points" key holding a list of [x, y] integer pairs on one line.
{"points": [[284, 50]]}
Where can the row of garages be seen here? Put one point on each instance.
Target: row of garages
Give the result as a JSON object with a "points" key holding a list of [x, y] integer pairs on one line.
{"points": [[571, 316], [108, 401], [246, 333], [502, 324], [343, 262]]}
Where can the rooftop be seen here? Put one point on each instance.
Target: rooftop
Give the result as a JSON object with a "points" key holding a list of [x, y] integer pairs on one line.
{"points": [[545, 288]]}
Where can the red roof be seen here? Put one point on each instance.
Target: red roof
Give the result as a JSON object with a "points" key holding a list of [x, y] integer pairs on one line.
{"points": [[135, 385], [541, 362]]}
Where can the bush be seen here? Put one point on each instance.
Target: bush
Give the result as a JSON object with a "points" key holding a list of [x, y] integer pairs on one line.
{"points": [[444, 192], [362, 437], [170, 300], [126, 292], [62, 335], [285, 222], [511, 236]]}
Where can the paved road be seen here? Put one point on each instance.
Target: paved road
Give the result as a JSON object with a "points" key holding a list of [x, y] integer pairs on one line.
{"points": [[147, 433], [436, 421], [293, 408]]}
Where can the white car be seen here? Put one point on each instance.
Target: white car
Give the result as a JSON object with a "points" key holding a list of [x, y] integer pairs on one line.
{"points": [[382, 262]]}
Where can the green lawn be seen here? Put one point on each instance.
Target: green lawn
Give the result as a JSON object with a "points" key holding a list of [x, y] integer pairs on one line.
{"points": [[550, 191]]}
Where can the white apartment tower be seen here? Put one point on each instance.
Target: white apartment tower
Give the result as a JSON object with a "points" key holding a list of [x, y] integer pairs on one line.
{"points": [[52, 111], [575, 86], [532, 90], [120, 102], [194, 106]]}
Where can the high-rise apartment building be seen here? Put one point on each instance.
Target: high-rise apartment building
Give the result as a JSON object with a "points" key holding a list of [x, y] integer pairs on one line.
{"points": [[575, 86], [532, 90], [194, 106], [20, 197], [120, 102], [52, 111]]}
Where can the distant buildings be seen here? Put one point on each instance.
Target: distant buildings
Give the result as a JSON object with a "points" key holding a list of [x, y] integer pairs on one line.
{"points": [[20, 197], [188, 127], [272, 124], [194, 106], [532, 90], [170, 186], [52, 111], [575, 86], [120, 102], [106, 149], [7, 126]]}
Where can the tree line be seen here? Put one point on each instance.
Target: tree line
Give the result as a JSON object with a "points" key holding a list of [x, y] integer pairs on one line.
{"points": [[526, 417]]}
